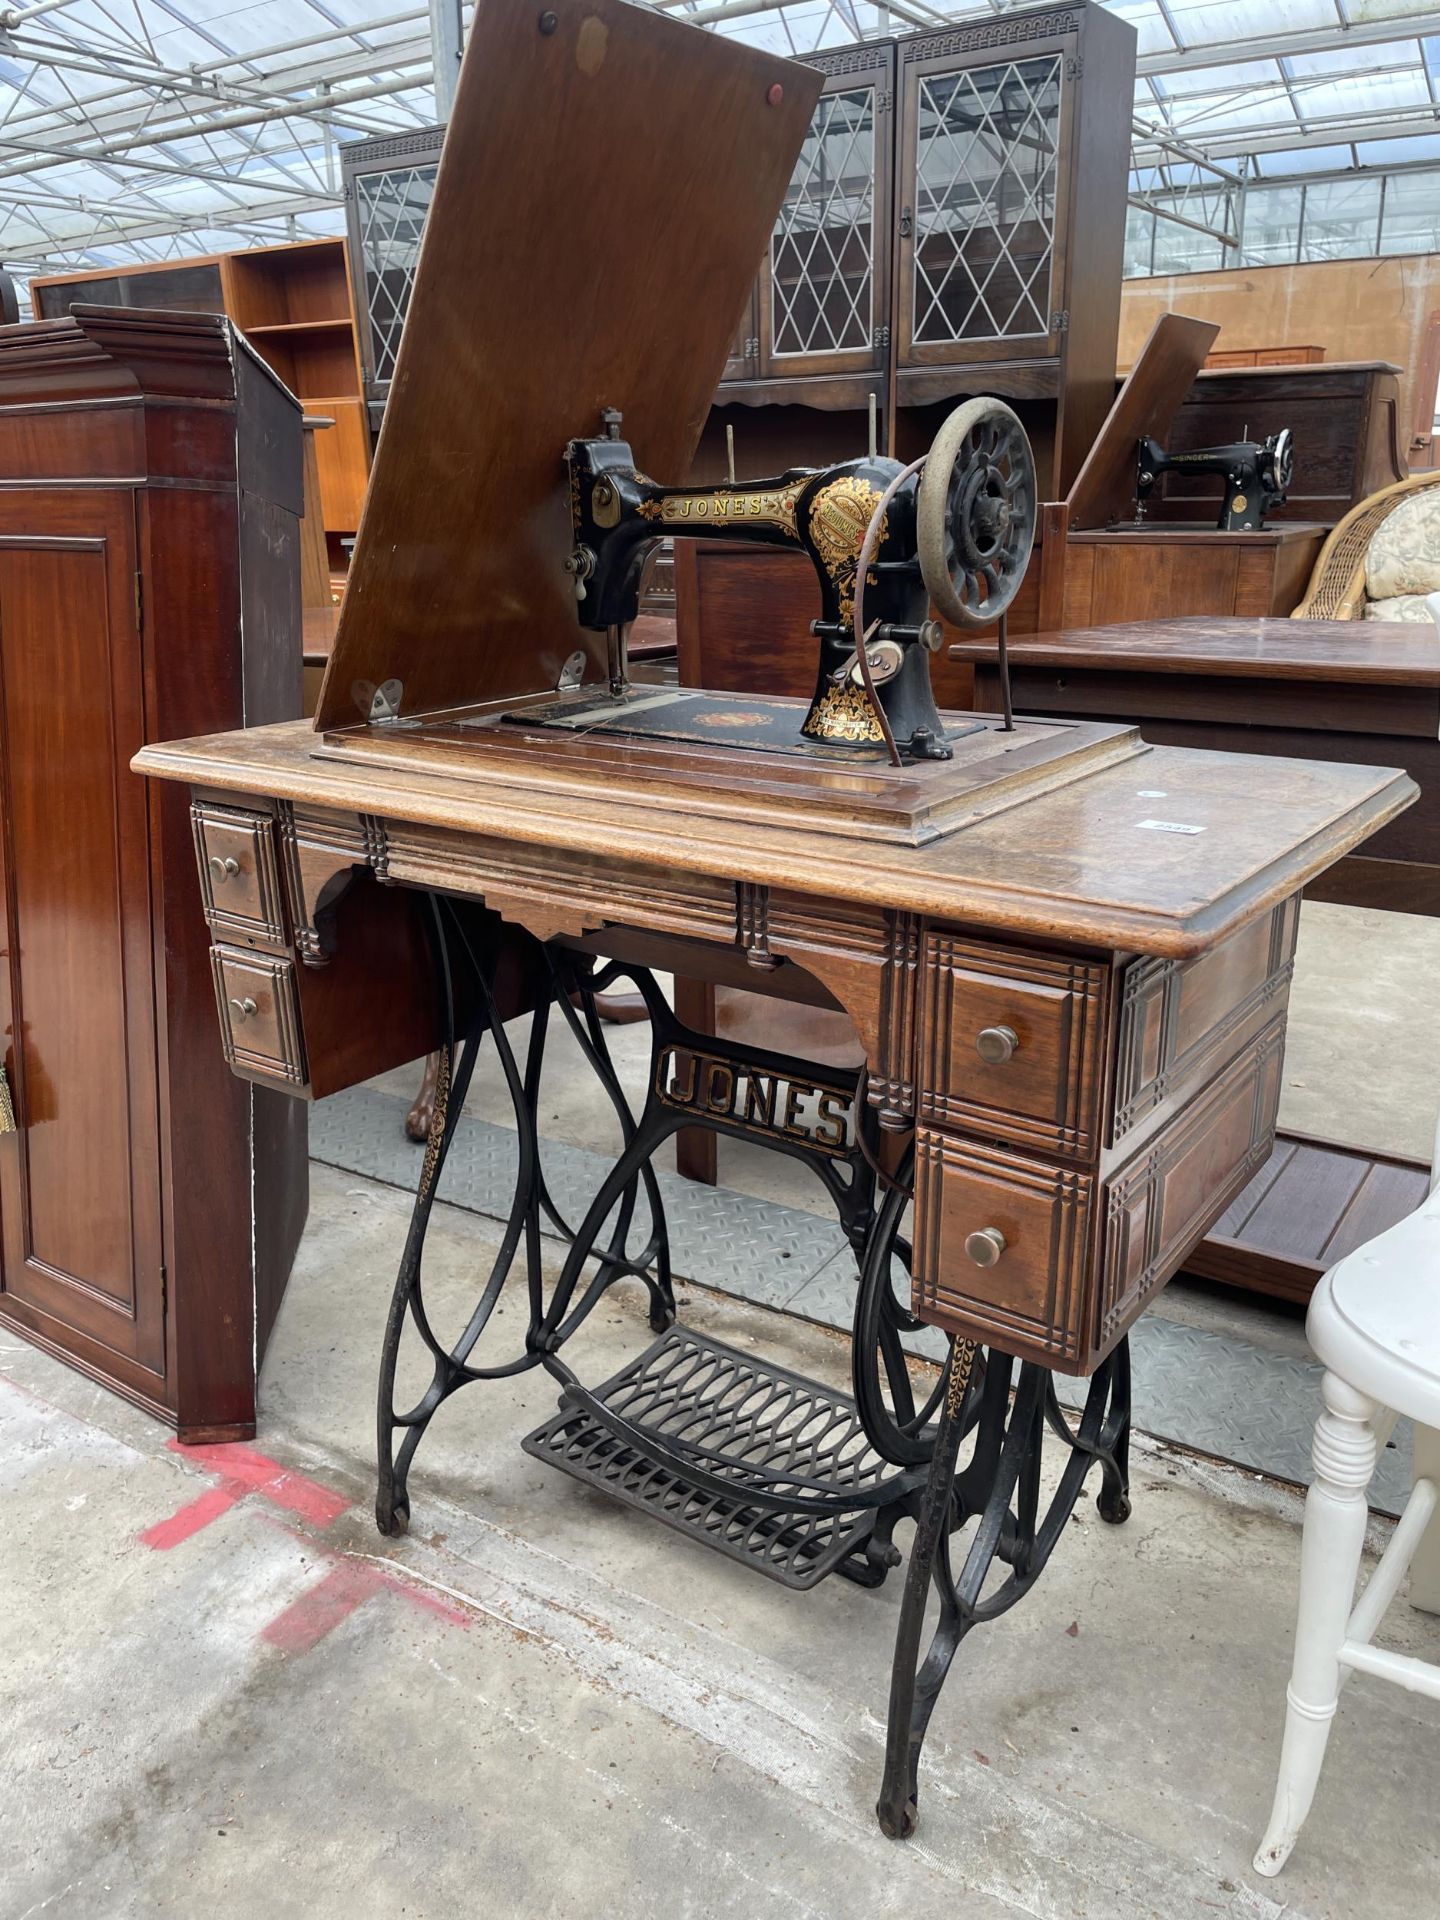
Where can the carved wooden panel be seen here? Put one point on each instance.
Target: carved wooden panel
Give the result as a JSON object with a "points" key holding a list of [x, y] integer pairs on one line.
{"points": [[1050, 1009], [892, 1087], [320, 852], [842, 944], [1031, 1301], [752, 924], [1180, 1021], [1168, 1197]]}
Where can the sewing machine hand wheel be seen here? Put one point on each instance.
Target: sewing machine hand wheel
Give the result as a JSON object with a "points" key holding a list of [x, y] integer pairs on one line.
{"points": [[975, 517], [1283, 461]]}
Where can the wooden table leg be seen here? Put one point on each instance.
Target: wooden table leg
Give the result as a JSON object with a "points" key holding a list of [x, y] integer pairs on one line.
{"points": [[696, 1156]]}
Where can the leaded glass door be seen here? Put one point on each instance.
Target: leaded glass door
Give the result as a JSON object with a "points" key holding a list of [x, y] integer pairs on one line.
{"points": [[824, 292], [389, 184], [981, 258]]}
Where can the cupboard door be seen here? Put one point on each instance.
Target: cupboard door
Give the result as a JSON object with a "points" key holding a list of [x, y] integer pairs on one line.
{"points": [[984, 174], [80, 1178], [824, 293]]}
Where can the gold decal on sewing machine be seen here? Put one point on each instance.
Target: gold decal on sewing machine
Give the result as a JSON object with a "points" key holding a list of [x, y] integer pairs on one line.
{"points": [[749, 1100], [839, 516], [843, 713], [774, 508]]}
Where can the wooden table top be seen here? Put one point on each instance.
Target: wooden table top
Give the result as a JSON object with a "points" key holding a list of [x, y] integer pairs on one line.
{"points": [[1372, 652], [1161, 853]]}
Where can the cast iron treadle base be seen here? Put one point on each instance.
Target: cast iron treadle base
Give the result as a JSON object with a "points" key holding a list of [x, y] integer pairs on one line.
{"points": [[745, 1415]]}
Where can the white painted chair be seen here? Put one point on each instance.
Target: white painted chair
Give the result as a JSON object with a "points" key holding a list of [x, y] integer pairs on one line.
{"points": [[1374, 1322]]}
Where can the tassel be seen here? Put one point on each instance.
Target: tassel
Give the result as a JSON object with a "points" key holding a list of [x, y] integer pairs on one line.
{"points": [[7, 1105]]}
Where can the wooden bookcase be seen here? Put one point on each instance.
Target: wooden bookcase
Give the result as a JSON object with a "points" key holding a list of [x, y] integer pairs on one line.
{"points": [[294, 304]]}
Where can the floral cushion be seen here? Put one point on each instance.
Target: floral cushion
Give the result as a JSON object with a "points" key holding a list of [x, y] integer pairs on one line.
{"points": [[1404, 555], [1401, 606]]}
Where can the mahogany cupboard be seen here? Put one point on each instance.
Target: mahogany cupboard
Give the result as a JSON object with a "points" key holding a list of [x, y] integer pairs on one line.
{"points": [[150, 1202]]}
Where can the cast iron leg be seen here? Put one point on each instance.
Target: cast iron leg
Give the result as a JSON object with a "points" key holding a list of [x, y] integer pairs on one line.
{"points": [[908, 1717], [999, 1488]]}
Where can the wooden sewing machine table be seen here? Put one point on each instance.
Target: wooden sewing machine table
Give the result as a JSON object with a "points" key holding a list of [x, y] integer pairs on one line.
{"points": [[1066, 955], [1075, 1003]]}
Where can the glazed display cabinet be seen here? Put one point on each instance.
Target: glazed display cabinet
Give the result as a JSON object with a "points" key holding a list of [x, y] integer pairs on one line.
{"points": [[389, 183], [821, 306]]}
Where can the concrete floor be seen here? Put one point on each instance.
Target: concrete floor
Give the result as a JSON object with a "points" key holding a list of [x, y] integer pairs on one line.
{"points": [[223, 1693]]}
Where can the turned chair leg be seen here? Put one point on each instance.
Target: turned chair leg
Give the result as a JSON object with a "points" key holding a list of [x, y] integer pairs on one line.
{"points": [[1425, 1566], [1335, 1518]]}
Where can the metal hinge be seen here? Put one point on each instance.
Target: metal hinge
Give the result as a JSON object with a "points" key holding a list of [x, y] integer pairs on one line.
{"points": [[907, 221], [139, 600], [1075, 66], [1060, 322], [882, 337], [883, 102], [164, 1288]]}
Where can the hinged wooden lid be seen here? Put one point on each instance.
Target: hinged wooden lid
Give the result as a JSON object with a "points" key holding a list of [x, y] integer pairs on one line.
{"points": [[1153, 393], [608, 184]]}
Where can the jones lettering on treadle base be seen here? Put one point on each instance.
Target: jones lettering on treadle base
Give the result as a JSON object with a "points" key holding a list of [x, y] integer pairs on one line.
{"points": [[754, 1101]]}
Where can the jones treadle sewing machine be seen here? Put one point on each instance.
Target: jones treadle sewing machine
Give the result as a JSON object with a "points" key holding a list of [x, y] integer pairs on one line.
{"points": [[1257, 476], [1066, 956], [883, 542]]}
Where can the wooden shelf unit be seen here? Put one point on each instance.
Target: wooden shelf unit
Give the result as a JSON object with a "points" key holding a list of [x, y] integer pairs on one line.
{"points": [[294, 304]]}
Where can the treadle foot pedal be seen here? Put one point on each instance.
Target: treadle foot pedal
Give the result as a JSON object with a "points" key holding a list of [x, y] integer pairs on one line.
{"points": [[752, 1415]]}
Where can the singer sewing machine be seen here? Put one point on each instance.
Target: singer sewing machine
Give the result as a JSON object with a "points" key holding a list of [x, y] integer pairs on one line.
{"points": [[1257, 476], [1066, 957]]}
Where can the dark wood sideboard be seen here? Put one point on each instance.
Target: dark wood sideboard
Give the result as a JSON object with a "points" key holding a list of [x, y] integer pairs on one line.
{"points": [[150, 486]]}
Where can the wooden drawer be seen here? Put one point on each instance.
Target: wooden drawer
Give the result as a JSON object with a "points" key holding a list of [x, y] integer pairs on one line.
{"points": [[259, 1015], [1055, 1264], [1028, 1300], [239, 874], [1012, 1044]]}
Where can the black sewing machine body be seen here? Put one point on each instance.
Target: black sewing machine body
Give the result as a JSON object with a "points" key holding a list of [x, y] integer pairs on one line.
{"points": [[620, 514], [965, 549], [1257, 476]]}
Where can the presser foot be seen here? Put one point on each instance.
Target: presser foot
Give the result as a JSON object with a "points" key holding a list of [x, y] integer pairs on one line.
{"points": [[999, 1489]]}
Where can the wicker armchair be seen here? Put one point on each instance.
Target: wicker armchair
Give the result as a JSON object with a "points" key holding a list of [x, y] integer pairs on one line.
{"points": [[1337, 585]]}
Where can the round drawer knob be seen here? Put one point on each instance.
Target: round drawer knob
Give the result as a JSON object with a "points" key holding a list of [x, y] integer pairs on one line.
{"points": [[985, 1246], [224, 867], [995, 1045], [246, 1008]]}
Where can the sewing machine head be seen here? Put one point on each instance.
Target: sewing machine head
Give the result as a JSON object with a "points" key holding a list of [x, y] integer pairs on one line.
{"points": [[1256, 474], [887, 541]]}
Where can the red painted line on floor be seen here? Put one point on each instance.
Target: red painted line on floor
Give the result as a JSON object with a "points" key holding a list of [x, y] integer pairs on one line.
{"points": [[306, 1621], [247, 1471], [189, 1519]]}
